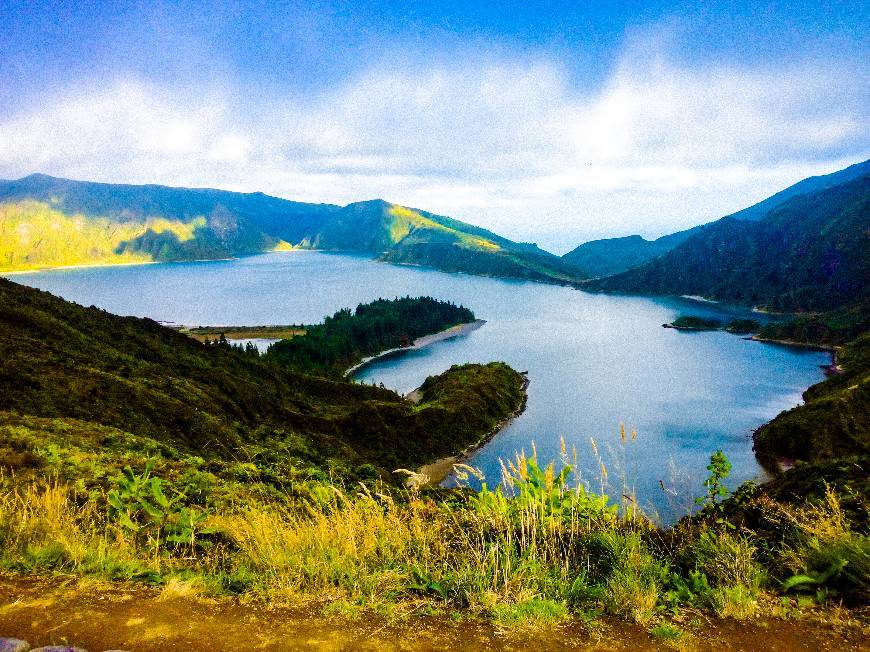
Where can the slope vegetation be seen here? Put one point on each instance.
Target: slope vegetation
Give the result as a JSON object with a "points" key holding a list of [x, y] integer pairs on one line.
{"points": [[45, 222], [63, 361], [812, 253], [615, 255]]}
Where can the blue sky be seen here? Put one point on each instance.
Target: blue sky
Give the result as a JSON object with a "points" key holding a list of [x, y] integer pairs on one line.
{"points": [[553, 122]]}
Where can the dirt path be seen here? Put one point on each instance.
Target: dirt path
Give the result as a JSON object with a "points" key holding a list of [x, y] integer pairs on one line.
{"points": [[99, 617]]}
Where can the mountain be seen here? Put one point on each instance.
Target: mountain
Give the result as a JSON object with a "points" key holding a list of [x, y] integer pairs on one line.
{"points": [[614, 255], [811, 253], [599, 258], [46, 221], [808, 185], [87, 369]]}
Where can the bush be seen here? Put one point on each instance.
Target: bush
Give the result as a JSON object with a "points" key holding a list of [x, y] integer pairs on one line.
{"points": [[633, 587], [726, 559]]}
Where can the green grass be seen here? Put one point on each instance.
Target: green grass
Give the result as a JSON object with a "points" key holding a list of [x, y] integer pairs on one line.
{"points": [[549, 553]]}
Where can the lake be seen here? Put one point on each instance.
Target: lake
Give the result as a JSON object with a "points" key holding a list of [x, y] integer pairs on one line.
{"points": [[594, 361]]}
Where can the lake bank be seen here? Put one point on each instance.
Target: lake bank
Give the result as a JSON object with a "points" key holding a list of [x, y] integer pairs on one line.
{"points": [[436, 472], [421, 342], [203, 333], [596, 360]]}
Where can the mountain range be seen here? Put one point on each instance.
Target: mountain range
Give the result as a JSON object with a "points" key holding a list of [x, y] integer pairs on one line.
{"points": [[48, 222], [805, 248], [599, 258], [810, 252]]}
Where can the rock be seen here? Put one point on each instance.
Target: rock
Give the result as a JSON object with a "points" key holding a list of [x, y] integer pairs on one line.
{"points": [[13, 645]]}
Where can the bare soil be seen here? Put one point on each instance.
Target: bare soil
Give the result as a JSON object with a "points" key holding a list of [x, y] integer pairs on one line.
{"points": [[58, 610]]}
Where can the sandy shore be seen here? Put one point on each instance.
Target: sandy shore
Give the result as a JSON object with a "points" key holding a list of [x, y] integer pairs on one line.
{"points": [[419, 343]]}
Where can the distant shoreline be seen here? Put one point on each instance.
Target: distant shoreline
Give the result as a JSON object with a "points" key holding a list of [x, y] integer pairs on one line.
{"points": [[36, 270], [421, 342], [794, 343]]}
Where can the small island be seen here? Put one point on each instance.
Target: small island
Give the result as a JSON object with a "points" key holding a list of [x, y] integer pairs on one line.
{"points": [[695, 323]]}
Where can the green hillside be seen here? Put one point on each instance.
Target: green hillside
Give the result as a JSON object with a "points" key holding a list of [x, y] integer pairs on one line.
{"points": [[834, 421], [131, 452], [808, 185], [810, 254], [63, 361], [616, 255], [47, 222]]}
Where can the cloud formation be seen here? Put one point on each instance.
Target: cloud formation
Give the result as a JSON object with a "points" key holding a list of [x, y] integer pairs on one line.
{"points": [[509, 145]]}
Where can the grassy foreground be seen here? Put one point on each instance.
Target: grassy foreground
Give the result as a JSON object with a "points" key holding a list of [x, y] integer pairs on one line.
{"points": [[552, 551]]}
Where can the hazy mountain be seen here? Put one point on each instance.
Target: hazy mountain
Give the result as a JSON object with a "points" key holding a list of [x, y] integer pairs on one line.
{"points": [[615, 255], [46, 221], [812, 252]]}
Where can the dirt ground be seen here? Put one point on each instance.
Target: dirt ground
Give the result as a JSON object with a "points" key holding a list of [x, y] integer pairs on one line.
{"points": [[97, 617]]}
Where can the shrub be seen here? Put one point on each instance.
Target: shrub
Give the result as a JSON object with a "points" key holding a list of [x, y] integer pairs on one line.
{"points": [[633, 587], [726, 559]]}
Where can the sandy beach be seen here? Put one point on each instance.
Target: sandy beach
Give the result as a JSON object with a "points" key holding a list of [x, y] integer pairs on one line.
{"points": [[420, 342]]}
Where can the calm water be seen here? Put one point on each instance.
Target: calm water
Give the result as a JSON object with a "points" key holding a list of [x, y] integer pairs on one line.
{"points": [[594, 361]]}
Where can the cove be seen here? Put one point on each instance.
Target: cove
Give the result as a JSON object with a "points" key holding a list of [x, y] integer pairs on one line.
{"points": [[594, 361]]}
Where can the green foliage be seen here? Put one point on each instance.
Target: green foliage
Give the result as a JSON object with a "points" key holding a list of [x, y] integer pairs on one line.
{"points": [[743, 326], [633, 587], [140, 504], [809, 253], [65, 361], [347, 337], [694, 323], [726, 559], [693, 590], [614, 255], [530, 489], [720, 469], [835, 327], [667, 632], [45, 221], [833, 422], [535, 611]]}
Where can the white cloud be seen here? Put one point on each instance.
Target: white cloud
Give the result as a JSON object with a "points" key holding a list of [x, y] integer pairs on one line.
{"points": [[511, 146]]}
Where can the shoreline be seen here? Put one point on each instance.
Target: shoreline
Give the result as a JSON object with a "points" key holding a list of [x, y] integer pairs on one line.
{"points": [[437, 471], [794, 343], [457, 330], [52, 268], [36, 270]]}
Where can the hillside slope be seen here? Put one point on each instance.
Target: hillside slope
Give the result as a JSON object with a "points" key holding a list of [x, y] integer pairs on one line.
{"points": [[616, 255], [47, 222], [834, 421], [63, 361], [810, 254]]}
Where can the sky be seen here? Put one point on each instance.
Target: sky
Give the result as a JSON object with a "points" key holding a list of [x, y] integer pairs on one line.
{"points": [[549, 122]]}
